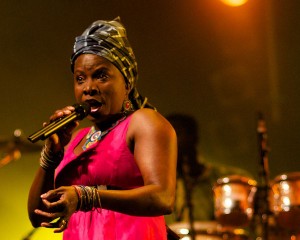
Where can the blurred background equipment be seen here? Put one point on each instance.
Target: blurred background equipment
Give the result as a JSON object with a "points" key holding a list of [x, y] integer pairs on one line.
{"points": [[13, 147], [243, 207], [285, 204]]}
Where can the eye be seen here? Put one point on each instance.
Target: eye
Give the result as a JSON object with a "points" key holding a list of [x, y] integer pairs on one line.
{"points": [[79, 79], [101, 75]]}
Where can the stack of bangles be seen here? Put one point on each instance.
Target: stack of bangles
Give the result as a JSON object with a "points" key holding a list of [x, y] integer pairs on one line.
{"points": [[50, 160], [88, 198]]}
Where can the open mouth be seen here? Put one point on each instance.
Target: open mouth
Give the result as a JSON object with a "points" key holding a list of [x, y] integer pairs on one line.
{"points": [[94, 104]]}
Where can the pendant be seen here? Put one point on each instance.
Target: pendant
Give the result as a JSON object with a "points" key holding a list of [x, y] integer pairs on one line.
{"points": [[92, 138], [95, 135]]}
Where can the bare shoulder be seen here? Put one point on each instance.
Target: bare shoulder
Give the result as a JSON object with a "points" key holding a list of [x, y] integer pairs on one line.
{"points": [[149, 121]]}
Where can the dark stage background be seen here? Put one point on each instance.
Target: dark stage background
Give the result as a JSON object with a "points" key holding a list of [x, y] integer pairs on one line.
{"points": [[221, 64]]}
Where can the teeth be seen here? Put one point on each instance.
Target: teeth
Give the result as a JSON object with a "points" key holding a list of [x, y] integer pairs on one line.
{"points": [[94, 109], [95, 105]]}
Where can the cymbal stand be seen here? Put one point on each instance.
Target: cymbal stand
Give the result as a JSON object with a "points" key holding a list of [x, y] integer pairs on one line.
{"points": [[188, 185], [261, 200]]}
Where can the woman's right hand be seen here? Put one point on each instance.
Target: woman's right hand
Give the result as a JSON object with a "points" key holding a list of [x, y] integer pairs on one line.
{"points": [[60, 204], [56, 142]]}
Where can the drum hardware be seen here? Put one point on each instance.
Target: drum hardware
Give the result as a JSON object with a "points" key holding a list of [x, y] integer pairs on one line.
{"points": [[188, 185], [261, 201]]}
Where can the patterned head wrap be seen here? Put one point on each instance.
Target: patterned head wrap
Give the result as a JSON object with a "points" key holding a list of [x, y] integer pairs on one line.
{"points": [[108, 39]]}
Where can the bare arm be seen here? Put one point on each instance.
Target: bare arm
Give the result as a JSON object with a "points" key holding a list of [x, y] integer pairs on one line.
{"points": [[43, 182], [155, 151]]}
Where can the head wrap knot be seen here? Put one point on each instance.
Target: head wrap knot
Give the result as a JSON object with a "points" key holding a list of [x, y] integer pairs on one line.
{"points": [[108, 39]]}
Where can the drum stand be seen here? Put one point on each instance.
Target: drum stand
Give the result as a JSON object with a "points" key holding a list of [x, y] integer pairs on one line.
{"points": [[261, 200], [191, 215], [188, 185]]}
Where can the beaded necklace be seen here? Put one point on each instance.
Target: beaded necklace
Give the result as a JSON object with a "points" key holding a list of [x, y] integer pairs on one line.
{"points": [[94, 135]]}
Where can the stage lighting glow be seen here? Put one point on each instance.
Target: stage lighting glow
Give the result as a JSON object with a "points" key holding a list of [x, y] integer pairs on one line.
{"points": [[234, 3]]}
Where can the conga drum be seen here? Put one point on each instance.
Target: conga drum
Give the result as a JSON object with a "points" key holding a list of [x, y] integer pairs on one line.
{"points": [[233, 199], [285, 202]]}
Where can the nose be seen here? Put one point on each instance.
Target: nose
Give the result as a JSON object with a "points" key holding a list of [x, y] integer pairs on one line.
{"points": [[90, 88]]}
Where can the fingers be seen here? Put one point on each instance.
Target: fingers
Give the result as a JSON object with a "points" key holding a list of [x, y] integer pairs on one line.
{"points": [[61, 224], [60, 193], [60, 204], [55, 202], [49, 215], [63, 136], [54, 206], [62, 113], [52, 195]]}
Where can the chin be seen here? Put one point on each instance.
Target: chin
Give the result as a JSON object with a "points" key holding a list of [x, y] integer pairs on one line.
{"points": [[93, 117]]}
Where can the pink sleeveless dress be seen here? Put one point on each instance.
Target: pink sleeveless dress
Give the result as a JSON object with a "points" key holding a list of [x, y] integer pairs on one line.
{"points": [[108, 162]]}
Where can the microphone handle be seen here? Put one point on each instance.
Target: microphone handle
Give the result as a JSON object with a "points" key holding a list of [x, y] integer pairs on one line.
{"points": [[43, 130], [52, 128]]}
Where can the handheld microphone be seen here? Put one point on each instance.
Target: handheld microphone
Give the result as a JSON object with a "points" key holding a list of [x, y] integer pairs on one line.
{"points": [[81, 111]]}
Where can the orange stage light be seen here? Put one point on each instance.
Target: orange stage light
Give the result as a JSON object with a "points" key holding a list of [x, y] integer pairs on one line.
{"points": [[234, 3]]}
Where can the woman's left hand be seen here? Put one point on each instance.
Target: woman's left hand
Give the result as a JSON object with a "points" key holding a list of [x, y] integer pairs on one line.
{"points": [[61, 203]]}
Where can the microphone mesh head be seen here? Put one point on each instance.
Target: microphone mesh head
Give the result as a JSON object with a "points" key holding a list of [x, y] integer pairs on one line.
{"points": [[82, 109]]}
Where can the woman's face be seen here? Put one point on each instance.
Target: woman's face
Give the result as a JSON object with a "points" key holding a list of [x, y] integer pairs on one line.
{"points": [[98, 82]]}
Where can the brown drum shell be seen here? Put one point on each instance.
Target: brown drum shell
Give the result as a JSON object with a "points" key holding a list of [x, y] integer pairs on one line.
{"points": [[233, 196], [285, 200]]}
